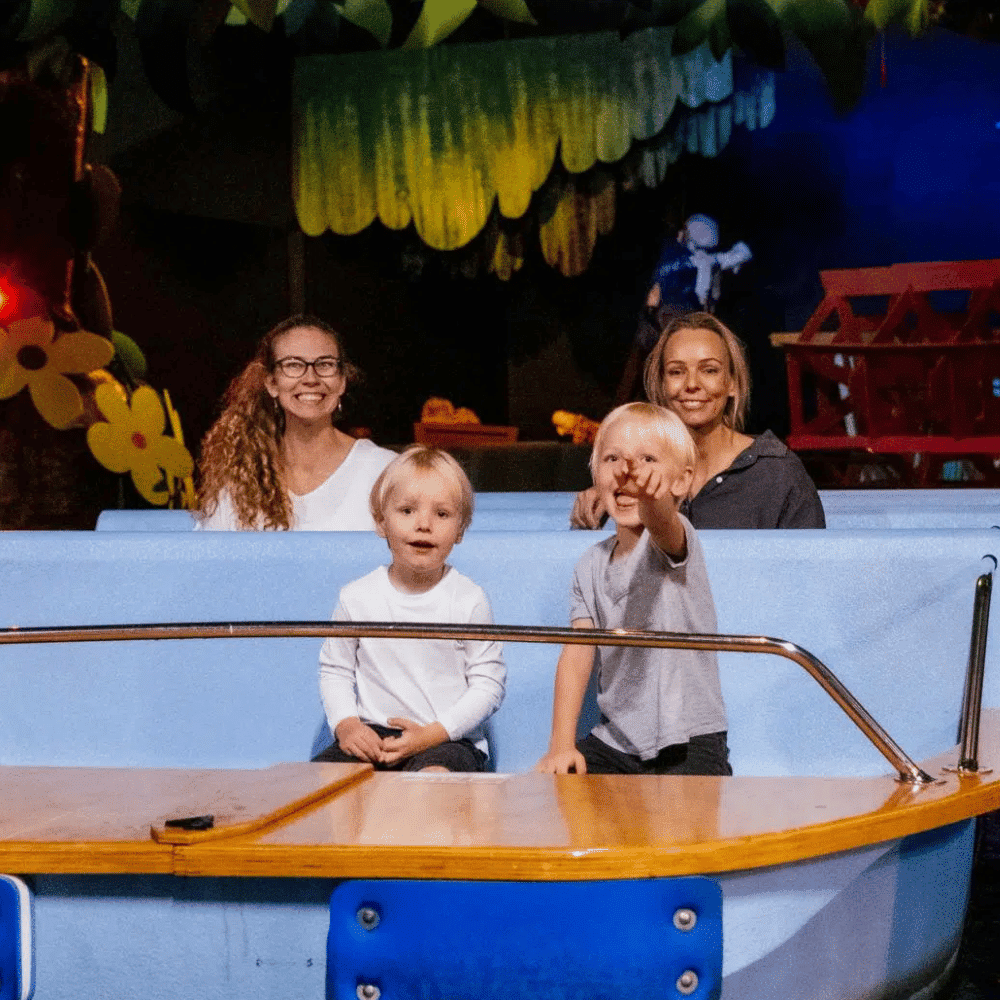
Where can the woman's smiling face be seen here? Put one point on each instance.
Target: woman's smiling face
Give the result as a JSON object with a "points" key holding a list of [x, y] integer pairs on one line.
{"points": [[697, 380], [307, 396]]}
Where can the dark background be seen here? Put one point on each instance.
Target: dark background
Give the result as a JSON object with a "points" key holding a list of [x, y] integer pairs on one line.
{"points": [[199, 266]]}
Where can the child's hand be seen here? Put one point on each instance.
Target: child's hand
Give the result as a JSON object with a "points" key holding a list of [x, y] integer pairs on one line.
{"points": [[359, 740], [648, 481], [562, 762], [412, 739]]}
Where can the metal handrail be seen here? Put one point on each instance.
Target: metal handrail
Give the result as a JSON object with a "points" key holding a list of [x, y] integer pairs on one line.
{"points": [[972, 699], [906, 769]]}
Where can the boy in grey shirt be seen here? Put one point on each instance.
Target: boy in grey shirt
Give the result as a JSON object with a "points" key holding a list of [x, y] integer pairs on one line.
{"points": [[661, 709]]}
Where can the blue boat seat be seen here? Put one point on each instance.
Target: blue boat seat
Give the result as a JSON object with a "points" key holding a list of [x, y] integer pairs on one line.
{"points": [[430, 940]]}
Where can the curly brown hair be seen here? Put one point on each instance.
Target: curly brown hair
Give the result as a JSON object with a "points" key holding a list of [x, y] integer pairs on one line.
{"points": [[240, 454]]}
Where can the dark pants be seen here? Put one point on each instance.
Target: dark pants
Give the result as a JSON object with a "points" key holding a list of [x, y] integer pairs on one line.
{"points": [[455, 755], [707, 754]]}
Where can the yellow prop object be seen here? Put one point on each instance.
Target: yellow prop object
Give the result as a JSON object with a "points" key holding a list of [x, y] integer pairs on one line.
{"points": [[133, 441], [582, 429], [31, 355], [442, 411]]}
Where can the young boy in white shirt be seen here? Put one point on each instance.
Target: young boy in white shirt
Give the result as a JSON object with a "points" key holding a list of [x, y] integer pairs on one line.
{"points": [[414, 704], [661, 709]]}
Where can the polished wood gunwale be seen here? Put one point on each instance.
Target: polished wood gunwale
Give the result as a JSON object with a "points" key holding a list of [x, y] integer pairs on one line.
{"points": [[322, 792], [110, 833], [535, 827], [959, 798], [86, 857]]}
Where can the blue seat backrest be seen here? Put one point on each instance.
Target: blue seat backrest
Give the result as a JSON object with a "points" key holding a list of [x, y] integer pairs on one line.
{"points": [[145, 520], [889, 612], [872, 500], [849, 509]]}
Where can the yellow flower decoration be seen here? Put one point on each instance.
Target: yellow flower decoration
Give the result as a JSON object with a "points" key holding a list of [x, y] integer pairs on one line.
{"points": [[189, 498], [31, 355], [133, 441]]}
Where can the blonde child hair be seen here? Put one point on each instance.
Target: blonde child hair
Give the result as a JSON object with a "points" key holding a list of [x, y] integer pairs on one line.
{"points": [[421, 458], [664, 423]]}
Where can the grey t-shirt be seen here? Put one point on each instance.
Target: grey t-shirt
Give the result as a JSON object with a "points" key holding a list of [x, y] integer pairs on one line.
{"points": [[650, 698]]}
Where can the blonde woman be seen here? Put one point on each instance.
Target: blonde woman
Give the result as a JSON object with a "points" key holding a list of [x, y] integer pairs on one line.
{"points": [[698, 369]]}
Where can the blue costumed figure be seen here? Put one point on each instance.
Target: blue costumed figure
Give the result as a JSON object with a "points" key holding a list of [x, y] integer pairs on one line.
{"points": [[687, 278]]}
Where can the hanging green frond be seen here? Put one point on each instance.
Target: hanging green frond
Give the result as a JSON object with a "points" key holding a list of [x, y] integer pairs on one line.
{"points": [[438, 19], [259, 12], [98, 99], [667, 12], [695, 27], [720, 40], [881, 13], [509, 10], [374, 16], [44, 17], [837, 38], [919, 17]]}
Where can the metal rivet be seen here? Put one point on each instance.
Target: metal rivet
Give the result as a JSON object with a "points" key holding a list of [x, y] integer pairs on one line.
{"points": [[687, 982], [685, 919], [368, 991], [368, 918]]}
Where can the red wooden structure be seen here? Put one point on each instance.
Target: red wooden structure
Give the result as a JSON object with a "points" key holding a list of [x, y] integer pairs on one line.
{"points": [[901, 361]]}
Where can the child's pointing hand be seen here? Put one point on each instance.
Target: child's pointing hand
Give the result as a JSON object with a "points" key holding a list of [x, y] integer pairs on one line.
{"points": [[651, 481], [644, 480]]}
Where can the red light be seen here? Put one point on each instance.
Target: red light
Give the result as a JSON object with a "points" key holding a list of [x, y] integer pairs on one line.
{"points": [[8, 299], [17, 300]]}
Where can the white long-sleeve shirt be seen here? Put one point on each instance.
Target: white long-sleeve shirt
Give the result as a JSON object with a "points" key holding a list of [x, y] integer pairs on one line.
{"points": [[458, 684]]}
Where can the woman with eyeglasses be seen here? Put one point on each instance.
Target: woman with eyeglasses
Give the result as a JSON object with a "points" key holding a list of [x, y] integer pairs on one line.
{"points": [[274, 460]]}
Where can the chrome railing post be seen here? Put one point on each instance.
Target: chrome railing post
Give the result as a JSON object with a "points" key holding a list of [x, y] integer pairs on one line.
{"points": [[972, 699]]}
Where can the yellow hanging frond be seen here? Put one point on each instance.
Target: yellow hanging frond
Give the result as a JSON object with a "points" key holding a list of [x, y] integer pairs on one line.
{"points": [[259, 12], [509, 10], [375, 16], [98, 98], [438, 19]]}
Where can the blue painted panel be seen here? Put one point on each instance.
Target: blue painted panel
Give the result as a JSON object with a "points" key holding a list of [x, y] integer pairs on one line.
{"points": [[523, 940], [145, 520], [874, 509], [889, 612], [17, 981]]}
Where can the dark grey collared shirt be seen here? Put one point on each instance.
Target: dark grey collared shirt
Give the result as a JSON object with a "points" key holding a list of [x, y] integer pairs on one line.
{"points": [[767, 486]]}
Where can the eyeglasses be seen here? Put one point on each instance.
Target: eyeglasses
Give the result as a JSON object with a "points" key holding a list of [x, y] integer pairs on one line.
{"points": [[296, 367]]}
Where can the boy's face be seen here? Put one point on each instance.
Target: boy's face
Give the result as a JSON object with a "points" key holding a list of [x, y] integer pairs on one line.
{"points": [[627, 446], [421, 522]]}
